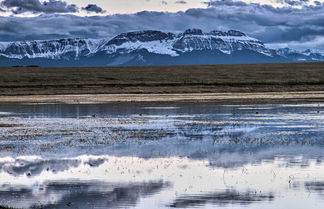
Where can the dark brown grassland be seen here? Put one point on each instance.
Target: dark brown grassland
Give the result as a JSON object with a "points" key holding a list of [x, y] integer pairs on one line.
{"points": [[162, 79]]}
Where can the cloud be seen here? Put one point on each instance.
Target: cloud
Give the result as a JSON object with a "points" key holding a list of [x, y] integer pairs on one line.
{"points": [[181, 2], [72, 194], [35, 6], [294, 2], [315, 43], [268, 23], [93, 8], [273, 25]]}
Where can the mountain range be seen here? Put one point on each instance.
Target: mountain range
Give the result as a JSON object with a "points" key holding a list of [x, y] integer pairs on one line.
{"points": [[150, 47]]}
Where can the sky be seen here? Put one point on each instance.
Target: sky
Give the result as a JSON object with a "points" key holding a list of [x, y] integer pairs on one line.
{"points": [[297, 24]]}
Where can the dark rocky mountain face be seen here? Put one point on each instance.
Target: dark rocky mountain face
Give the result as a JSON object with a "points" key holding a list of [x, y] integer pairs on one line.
{"points": [[142, 36], [150, 47]]}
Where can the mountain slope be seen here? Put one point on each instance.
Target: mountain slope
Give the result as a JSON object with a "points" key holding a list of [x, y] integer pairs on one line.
{"points": [[150, 47]]}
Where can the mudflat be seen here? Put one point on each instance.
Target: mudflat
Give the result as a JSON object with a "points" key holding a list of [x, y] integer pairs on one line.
{"points": [[241, 83], [215, 98]]}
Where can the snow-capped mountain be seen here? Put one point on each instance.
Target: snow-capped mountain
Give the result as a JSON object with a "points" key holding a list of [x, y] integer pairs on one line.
{"points": [[52, 49], [150, 47], [191, 40], [301, 56]]}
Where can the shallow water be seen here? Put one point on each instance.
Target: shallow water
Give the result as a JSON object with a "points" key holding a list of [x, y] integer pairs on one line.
{"points": [[181, 156]]}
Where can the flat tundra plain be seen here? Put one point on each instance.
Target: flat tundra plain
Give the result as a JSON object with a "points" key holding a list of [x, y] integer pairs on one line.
{"points": [[243, 83]]}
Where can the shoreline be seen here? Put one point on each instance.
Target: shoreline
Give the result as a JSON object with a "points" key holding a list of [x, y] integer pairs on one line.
{"points": [[213, 98]]}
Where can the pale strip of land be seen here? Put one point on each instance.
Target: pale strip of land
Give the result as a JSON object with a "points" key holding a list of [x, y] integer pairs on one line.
{"points": [[217, 98]]}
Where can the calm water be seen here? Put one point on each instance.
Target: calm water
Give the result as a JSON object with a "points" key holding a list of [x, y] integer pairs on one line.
{"points": [[181, 156]]}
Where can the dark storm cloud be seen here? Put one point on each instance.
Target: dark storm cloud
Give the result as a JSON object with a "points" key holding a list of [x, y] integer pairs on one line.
{"points": [[93, 8], [265, 22], [35, 6], [294, 2], [181, 2], [271, 24]]}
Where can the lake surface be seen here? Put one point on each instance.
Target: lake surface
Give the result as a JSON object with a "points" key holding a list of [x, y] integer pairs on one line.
{"points": [[180, 156]]}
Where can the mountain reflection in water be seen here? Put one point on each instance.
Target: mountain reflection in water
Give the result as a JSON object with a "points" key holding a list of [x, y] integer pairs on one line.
{"points": [[184, 156]]}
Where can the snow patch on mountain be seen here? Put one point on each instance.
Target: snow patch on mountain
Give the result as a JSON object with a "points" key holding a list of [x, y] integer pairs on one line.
{"points": [[156, 47]]}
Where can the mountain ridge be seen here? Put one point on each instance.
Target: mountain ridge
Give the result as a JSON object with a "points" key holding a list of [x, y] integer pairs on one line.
{"points": [[150, 47]]}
